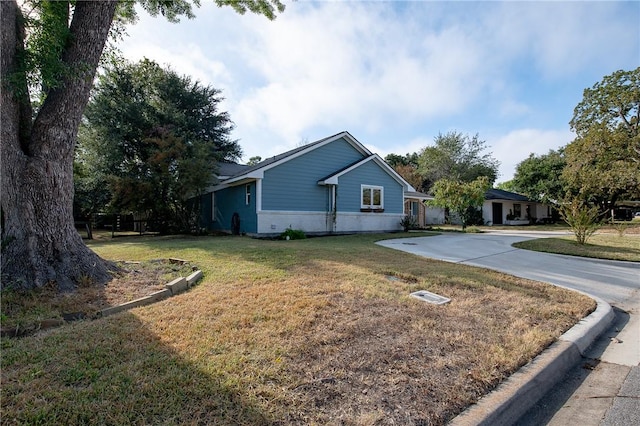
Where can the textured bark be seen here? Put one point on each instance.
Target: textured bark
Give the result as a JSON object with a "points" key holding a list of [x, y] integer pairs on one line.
{"points": [[39, 240]]}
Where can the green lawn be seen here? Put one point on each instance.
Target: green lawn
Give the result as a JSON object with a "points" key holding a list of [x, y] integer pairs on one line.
{"points": [[601, 246], [315, 331]]}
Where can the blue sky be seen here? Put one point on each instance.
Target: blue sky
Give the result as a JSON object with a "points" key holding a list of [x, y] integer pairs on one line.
{"points": [[395, 74]]}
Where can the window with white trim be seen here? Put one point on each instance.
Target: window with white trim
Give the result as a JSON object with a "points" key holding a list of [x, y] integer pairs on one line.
{"points": [[247, 196], [371, 197]]}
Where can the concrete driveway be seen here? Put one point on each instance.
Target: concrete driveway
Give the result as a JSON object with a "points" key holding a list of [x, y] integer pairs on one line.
{"points": [[617, 396]]}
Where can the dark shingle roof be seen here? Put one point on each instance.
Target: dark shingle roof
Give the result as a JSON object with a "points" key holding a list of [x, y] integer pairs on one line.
{"points": [[282, 156], [499, 194], [230, 169]]}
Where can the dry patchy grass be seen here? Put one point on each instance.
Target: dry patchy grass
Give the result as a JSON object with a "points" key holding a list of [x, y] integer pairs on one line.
{"points": [[23, 312], [288, 332]]}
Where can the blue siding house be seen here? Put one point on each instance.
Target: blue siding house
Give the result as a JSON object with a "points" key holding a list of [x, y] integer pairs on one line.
{"points": [[333, 185]]}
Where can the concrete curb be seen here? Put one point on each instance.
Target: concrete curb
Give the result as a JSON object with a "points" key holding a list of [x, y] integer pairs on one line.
{"points": [[516, 395]]}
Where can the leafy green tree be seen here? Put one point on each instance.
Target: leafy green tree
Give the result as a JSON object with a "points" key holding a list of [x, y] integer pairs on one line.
{"points": [[254, 160], [91, 193], [50, 53], [409, 159], [582, 218], [462, 198], [156, 137], [539, 177], [507, 186], [407, 167], [602, 163], [457, 157], [600, 169], [603, 160], [612, 104]]}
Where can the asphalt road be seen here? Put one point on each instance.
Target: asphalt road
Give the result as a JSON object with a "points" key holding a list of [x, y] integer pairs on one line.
{"points": [[605, 389]]}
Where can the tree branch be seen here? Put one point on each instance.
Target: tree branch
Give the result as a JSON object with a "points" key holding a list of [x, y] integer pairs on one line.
{"points": [[15, 92], [622, 115], [57, 122]]}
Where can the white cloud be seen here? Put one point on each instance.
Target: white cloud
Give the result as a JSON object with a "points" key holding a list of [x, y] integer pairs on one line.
{"points": [[516, 146], [188, 60], [343, 65], [561, 38], [399, 147], [387, 71]]}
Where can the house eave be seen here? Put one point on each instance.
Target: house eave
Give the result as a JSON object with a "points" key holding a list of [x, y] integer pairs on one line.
{"points": [[243, 180], [333, 179]]}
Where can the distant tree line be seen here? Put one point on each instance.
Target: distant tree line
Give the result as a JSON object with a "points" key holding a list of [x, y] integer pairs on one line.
{"points": [[600, 167]]}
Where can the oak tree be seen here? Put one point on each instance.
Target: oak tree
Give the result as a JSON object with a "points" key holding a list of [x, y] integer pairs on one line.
{"points": [[603, 162], [50, 53], [612, 104], [539, 177], [457, 157]]}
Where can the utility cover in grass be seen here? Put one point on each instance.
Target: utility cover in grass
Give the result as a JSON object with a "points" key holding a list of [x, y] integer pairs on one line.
{"points": [[429, 297]]}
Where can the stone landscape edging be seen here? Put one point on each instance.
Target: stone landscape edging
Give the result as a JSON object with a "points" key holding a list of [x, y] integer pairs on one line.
{"points": [[177, 286]]}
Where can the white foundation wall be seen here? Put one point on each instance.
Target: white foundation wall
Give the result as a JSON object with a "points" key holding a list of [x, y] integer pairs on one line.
{"points": [[368, 222], [272, 222]]}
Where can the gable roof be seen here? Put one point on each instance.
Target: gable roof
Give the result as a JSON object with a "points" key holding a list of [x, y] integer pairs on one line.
{"points": [[499, 194], [231, 174], [333, 178], [226, 169], [257, 171]]}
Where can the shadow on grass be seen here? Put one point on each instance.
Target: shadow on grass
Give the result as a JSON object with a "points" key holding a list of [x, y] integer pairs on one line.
{"points": [[121, 373], [124, 371]]}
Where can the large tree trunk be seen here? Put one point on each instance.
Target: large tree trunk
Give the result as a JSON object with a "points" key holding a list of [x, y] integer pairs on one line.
{"points": [[39, 241]]}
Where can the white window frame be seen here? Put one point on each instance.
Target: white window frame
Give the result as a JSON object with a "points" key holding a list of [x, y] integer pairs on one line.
{"points": [[371, 188], [247, 194]]}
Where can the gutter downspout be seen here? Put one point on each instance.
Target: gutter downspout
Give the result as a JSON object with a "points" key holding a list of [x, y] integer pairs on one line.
{"points": [[332, 211]]}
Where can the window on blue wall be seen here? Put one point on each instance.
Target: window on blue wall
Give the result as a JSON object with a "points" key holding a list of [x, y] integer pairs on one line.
{"points": [[372, 197], [247, 197]]}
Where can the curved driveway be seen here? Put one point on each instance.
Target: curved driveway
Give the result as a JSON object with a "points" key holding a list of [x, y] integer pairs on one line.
{"points": [[609, 395], [618, 283]]}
